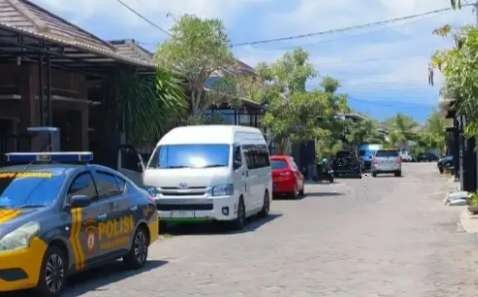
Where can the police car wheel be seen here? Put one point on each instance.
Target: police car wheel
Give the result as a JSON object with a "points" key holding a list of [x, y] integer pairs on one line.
{"points": [[53, 272], [137, 256]]}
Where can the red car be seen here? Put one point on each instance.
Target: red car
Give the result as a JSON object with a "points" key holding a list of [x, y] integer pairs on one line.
{"points": [[287, 178]]}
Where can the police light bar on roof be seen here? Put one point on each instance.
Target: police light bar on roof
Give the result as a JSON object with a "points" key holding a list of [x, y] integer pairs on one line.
{"points": [[49, 157]]}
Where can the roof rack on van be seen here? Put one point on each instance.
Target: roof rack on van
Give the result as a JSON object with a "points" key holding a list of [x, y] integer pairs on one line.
{"points": [[49, 157]]}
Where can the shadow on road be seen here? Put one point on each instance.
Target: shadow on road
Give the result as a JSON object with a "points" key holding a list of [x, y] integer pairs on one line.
{"points": [[104, 275], [216, 228], [323, 194], [92, 280]]}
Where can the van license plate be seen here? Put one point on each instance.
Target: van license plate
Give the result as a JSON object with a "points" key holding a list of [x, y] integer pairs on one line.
{"points": [[182, 214]]}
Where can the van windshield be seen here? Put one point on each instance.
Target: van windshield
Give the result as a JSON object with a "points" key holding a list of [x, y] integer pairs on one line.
{"points": [[191, 156]]}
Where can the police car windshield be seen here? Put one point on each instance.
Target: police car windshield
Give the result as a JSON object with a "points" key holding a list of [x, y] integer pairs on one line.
{"points": [[191, 156], [29, 189]]}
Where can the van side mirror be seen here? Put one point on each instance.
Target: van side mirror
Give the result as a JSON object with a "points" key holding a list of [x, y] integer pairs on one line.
{"points": [[79, 201]]}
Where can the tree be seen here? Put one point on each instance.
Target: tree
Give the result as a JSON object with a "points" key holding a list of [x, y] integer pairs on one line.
{"points": [[297, 118], [460, 70], [150, 104], [196, 49], [329, 84], [433, 136], [402, 130]]}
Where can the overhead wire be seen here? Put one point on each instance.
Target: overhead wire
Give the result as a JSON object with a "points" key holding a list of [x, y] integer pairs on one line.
{"points": [[141, 16], [346, 29]]}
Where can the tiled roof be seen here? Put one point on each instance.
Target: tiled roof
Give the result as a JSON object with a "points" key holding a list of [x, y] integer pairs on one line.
{"points": [[25, 17], [130, 48]]}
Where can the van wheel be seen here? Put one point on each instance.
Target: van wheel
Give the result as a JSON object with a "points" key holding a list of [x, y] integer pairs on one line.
{"points": [[267, 206], [53, 273], [374, 174], [398, 173], [240, 222], [138, 255]]}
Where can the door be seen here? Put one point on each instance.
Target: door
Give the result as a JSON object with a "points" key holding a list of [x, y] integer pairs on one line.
{"points": [[254, 177], [116, 223], [84, 227], [131, 164], [239, 169]]}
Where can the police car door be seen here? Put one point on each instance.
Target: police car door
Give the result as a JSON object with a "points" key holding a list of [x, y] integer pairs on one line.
{"points": [[116, 226], [84, 226]]}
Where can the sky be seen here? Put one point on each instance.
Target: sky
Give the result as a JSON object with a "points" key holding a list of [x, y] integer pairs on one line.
{"points": [[383, 69]]}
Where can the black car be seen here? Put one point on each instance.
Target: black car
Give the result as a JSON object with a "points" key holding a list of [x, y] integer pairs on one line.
{"points": [[427, 157], [347, 163], [446, 164]]}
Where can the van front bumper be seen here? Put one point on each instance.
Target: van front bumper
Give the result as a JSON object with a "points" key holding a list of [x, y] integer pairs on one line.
{"points": [[20, 269], [222, 208]]}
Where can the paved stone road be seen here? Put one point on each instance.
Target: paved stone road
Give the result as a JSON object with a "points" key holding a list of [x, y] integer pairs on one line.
{"points": [[381, 236]]}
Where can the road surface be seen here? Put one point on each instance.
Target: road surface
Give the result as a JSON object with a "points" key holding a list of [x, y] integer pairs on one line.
{"points": [[382, 236]]}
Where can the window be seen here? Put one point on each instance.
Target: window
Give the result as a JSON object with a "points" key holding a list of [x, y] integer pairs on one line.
{"points": [[83, 185], [279, 164], [257, 156], [23, 189], [107, 185], [237, 157], [387, 154], [191, 156]]}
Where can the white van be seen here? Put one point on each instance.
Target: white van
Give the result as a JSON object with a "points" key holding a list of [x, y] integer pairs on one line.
{"points": [[217, 173]]}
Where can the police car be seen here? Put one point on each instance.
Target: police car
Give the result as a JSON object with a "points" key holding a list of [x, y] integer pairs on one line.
{"points": [[60, 215]]}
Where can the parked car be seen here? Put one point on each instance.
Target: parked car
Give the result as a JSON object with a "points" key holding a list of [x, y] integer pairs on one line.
{"points": [[406, 156], [325, 171], [427, 157], [286, 177], [366, 152], [58, 219], [446, 164], [387, 161], [218, 173], [346, 163]]}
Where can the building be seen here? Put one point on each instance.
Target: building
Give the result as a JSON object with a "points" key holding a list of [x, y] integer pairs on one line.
{"points": [[462, 149], [53, 73]]}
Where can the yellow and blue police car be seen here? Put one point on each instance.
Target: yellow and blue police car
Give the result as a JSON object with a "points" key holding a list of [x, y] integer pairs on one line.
{"points": [[61, 215]]}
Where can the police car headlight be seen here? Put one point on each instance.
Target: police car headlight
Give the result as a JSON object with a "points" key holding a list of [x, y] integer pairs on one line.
{"points": [[222, 190], [19, 238]]}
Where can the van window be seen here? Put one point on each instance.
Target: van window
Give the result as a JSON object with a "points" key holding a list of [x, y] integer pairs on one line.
{"points": [[257, 156], [237, 158], [387, 153], [191, 156]]}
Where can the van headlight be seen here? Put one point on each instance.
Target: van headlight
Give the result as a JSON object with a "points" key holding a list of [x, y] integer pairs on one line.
{"points": [[222, 190], [20, 237]]}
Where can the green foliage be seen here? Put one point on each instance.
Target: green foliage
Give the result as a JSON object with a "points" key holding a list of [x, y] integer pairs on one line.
{"points": [[196, 49], [329, 84], [402, 130], [474, 200], [365, 131], [434, 134], [460, 69], [151, 105]]}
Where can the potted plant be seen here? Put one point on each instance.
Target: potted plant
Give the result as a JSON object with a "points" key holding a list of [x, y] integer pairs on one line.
{"points": [[473, 207]]}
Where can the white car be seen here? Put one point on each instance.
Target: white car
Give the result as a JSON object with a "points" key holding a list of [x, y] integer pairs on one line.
{"points": [[219, 173], [387, 161]]}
